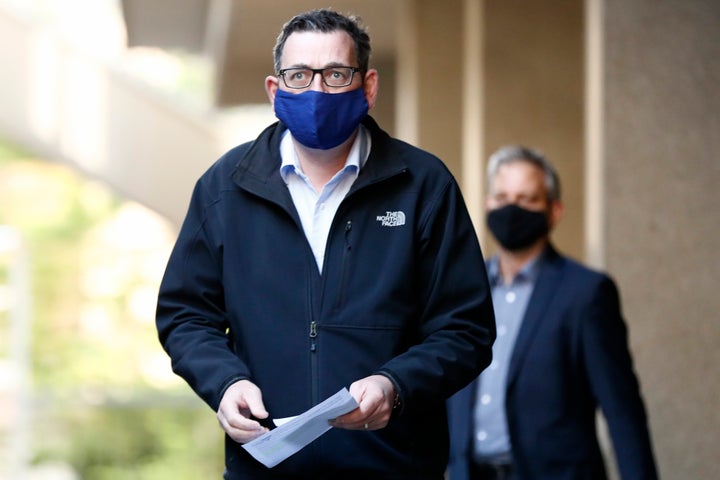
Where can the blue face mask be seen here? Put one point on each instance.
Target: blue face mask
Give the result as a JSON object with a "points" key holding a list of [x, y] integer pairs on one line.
{"points": [[321, 120]]}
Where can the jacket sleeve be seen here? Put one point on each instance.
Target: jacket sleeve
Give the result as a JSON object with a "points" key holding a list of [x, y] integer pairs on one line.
{"points": [[457, 324], [614, 383], [191, 321]]}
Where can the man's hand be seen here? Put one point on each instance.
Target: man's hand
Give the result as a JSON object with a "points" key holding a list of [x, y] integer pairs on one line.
{"points": [[375, 396], [241, 401]]}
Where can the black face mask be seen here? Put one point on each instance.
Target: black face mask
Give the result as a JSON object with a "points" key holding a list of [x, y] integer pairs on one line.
{"points": [[516, 228]]}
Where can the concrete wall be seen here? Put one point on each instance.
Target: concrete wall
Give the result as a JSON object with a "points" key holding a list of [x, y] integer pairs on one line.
{"points": [[490, 74], [62, 102], [661, 121], [623, 97], [533, 71]]}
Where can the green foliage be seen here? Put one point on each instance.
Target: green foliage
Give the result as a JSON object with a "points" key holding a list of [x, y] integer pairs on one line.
{"points": [[139, 443], [102, 402]]}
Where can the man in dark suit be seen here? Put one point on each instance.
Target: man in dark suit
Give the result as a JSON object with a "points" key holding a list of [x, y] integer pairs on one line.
{"points": [[561, 350]]}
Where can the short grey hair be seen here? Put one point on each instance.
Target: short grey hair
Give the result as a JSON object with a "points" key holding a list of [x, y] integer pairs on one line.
{"points": [[518, 153]]}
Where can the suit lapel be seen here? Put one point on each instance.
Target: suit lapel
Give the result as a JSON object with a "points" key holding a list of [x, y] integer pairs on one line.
{"points": [[542, 296]]}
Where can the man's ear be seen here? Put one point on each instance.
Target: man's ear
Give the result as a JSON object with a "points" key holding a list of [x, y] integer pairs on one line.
{"points": [[557, 209], [370, 85], [271, 86]]}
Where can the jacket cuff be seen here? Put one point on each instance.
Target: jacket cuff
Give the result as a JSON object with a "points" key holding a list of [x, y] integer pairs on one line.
{"points": [[225, 385], [398, 401]]}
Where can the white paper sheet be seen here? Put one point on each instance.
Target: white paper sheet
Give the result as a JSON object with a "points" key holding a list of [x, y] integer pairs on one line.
{"points": [[278, 444]]}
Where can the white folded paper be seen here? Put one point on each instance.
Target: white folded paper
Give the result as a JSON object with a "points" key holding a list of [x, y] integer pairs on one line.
{"points": [[290, 437]]}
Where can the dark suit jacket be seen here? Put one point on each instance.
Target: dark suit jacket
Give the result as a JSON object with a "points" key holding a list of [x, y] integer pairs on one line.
{"points": [[570, 357]]}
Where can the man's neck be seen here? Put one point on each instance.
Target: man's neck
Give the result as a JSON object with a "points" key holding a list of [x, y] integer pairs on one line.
{"points": [[320, 166], [511, 262]]}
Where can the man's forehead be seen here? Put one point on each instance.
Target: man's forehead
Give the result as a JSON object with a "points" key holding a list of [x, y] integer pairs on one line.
{"points": [[316, 40], [319, 53], [519, 175]]}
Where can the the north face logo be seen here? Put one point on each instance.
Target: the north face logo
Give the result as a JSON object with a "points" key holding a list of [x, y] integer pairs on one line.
{"points": [[392, 219]]}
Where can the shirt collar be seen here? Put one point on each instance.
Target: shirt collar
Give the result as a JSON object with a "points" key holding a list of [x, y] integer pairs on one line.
{"points": [[356, 159], [529, 272]]}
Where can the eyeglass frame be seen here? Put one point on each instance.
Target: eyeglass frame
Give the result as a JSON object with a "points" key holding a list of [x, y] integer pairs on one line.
{"points": [[353, 71]]}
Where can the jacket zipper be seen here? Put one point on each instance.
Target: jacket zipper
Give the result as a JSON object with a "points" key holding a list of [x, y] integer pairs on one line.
{"points": [[314, 393], [313, 332], [348, 227], [313, 335], [344, 267]]}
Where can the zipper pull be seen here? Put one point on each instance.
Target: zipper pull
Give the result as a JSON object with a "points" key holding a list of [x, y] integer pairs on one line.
{"points": [[348, 227], [313, 334]]}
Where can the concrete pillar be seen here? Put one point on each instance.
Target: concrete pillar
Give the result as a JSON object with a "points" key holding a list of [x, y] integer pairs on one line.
{"points": [[493, 73], [660, 134], [440, 43], [533, 93], [429, 85], [438, 89]]}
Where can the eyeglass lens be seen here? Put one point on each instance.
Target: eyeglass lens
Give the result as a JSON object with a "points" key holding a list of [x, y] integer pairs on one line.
{"points": [[332, 76]]}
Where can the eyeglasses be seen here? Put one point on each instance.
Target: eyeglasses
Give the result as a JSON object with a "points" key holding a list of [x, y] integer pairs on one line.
{"points": [[331, 76]]}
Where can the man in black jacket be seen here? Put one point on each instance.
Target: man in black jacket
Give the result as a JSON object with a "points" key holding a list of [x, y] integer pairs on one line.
{"points": [[324, 255]]}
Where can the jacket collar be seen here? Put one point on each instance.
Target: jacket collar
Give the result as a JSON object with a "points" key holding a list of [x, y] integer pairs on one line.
{"points": [[258, 170]]}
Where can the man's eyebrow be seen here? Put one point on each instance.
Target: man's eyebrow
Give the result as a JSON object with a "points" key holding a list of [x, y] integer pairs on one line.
{"points": [[327, 65], [296, 65]]}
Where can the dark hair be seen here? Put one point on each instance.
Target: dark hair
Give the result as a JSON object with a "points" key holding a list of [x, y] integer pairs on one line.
{"points": [[326, 21]]}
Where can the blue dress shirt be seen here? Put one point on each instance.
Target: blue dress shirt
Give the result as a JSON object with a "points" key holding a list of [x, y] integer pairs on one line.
{"points": [[492, 440], [317, 209]]}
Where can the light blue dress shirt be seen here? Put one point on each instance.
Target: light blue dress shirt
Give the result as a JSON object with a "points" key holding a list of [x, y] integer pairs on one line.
{"points": [[317, 209], [492, 440]]}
